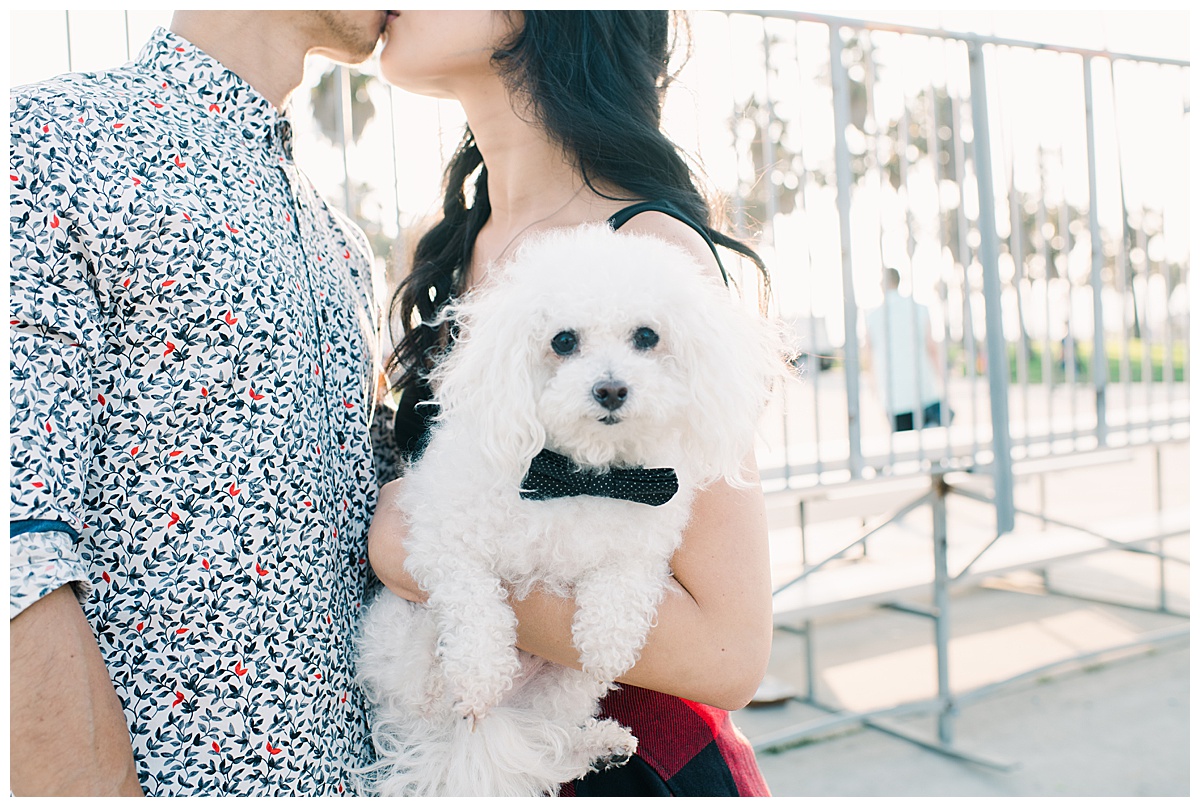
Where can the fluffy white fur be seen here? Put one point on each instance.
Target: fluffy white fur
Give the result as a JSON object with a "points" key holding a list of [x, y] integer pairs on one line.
{"points": [[458, 710]]}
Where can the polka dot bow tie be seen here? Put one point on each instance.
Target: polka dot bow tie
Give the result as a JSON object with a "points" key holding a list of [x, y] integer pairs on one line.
{"points": [[553, 476]]}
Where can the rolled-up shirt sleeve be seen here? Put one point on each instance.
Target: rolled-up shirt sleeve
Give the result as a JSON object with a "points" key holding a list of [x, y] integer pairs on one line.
{"points": [[54, 332], [40, 561]]}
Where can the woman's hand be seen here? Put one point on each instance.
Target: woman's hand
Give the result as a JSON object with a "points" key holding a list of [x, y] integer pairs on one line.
{"points": [[385, 544]]}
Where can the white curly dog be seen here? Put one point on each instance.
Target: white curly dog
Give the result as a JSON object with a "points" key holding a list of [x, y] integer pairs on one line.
{"points": [[615, 352]]}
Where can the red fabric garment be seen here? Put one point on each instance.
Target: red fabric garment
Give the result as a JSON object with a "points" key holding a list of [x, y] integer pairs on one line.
{"points": [[695, 750]]}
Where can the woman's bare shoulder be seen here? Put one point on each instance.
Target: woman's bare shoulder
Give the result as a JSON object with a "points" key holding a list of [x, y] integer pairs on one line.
{"points": [[669, 228]]}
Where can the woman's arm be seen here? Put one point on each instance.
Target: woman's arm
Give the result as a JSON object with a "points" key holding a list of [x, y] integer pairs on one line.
{"points": [[713, 633]]}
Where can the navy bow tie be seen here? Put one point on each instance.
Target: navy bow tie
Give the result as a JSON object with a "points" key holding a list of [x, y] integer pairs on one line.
{"points": [[552, 476]]}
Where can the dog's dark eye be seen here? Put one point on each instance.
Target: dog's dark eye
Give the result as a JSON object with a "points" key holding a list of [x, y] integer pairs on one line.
{"points": [[644, 338], [565, 343]]}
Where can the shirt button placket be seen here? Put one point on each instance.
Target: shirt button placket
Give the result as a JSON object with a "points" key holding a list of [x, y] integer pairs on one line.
{"points": [[303, 220]]}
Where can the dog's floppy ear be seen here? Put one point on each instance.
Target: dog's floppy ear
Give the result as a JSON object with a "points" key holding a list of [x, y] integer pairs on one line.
{"points": [[734, 359], [488, 383]]}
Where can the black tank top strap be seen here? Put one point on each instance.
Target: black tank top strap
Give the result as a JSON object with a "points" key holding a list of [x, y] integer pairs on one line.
{"points": [[622, 217]]}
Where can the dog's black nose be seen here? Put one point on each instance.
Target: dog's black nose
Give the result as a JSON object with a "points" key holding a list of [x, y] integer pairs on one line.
{"points": [[610, 394]]}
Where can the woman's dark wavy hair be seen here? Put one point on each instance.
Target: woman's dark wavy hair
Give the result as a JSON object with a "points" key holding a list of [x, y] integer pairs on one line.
{"points": [[594, 81]]}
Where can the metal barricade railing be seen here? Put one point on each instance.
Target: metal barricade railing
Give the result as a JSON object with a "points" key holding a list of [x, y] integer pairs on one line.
{"points": [[1002, 223], [995, 216]]}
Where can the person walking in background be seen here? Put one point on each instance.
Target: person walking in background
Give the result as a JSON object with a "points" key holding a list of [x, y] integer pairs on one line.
{"points": [[902, 355], [563, 111], [194, 364]]}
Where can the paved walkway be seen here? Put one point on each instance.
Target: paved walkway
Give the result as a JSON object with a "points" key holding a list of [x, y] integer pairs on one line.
{"points": [[1118, 726]]}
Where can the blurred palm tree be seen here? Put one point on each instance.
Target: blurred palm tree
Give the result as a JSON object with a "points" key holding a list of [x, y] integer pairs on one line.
{"points": [[326, 98], [328, 105]]}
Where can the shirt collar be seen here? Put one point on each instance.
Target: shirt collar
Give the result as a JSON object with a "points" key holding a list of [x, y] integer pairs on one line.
{"points": [[216, 89]]}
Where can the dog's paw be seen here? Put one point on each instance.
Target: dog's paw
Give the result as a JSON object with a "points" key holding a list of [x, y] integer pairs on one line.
{"points": [[607, 744]]}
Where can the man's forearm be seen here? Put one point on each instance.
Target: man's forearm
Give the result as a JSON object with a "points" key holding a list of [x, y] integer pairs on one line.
{"points": [[67, 732]]}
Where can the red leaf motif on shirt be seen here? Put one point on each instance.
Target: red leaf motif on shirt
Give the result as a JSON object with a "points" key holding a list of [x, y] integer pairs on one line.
{"points": [[186, 216], [48, 428], [37, 484], [232, 229], [261, 571], [100, 398], [118, 125], [204, 562], [126, 282], [230, 319], [288, 217], [168, 283], [347, 404], [81, 120], [178, 48], [54, 222], [347, 255], [105, 576], [156, 104], [178, 699], [179, 163], [216, 747], [308, 504], [174, 520], [255, 396], [133, 452], [46, 128], [204, 391], [14, 177], [170, 348], [317, 676], [239, 669], [138, 627], [175, 453], [234, 490], [136, 181], [214, 108], [272, 749], [181, 631]]}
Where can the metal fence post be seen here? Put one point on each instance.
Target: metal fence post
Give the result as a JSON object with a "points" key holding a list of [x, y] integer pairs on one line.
{"points": [[841, 120], [1099, 352], [941, 607], [997, 353], [345, 129]]}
